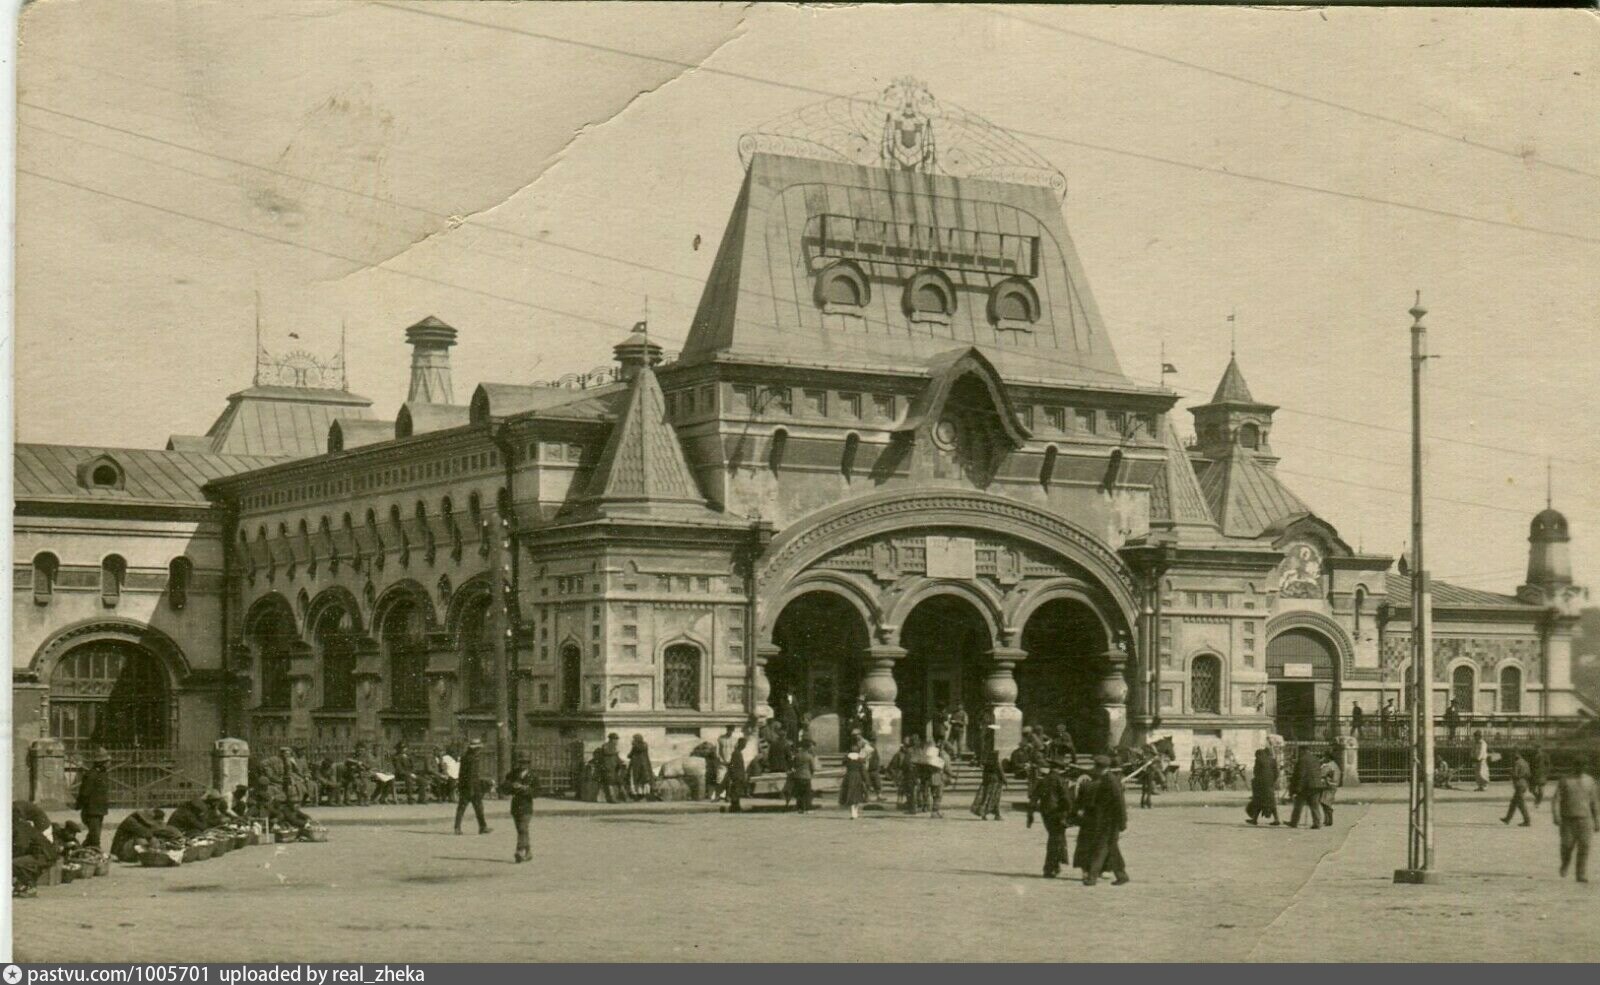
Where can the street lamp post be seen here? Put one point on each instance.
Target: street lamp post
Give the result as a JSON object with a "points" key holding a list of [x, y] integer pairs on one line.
{"points": [[1419, 841]]}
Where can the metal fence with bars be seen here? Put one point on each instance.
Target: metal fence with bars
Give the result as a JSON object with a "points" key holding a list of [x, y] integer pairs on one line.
{"points": [[1389, 760], [556, 765], [142, 777], [1495, 728]]}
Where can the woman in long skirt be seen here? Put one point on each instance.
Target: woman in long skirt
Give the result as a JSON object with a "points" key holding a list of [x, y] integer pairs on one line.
{"points": [[641, 778], [735, 780], [1263, 789], [853, 791], [991, 791]]}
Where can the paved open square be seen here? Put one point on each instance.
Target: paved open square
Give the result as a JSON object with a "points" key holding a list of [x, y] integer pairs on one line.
{"points": [[695, 886]]}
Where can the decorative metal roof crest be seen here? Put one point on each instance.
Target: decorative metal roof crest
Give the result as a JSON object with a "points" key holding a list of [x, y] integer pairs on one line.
{"points": [[903, 128]]}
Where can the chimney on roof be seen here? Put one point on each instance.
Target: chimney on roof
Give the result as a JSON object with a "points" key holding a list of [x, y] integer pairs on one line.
{"points": [[635, 351], [430, 341]]}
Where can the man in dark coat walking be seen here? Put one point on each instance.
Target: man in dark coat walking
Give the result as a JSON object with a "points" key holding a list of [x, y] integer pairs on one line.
{"points": [[1106, 813], [1521, 777], [1054, 801], [1306, 782], [94, 797], [469, 789]]}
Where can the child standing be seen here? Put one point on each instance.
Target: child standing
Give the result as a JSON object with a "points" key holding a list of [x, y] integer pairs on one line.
{"points": [[520, 786]]}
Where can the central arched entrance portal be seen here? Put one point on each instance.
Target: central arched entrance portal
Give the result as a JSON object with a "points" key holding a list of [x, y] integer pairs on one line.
{"points": [[946, 643], [816, 676], [1059, 682]]}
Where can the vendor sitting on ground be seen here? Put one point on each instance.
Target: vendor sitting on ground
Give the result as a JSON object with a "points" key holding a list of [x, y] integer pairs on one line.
{"points": [[66, 836], [200, 814], [283, 814], [142, 828], [31, 852]]}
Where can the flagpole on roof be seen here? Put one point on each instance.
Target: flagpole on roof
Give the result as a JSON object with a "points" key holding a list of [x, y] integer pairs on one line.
{"points": [[255, 357]]}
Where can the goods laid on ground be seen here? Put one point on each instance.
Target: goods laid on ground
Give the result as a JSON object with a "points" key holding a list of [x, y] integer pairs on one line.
{"points": [[165, 852]]}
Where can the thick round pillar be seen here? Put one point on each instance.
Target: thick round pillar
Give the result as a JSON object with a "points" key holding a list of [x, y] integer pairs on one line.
{"points": [[1000, 692], [761, 700], [881, 691], [1114, 696]]}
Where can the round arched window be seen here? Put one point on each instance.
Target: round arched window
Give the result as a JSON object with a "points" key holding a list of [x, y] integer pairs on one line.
{"points": [[842, 289], [105, 475], [1013, 304], [1250, 436], [930, 297]]}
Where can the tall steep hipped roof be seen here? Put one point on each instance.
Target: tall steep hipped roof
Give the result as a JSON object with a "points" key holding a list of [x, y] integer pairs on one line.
{"points": [[1175, 496], [642, 469], [1232, 389], [795, 217]]}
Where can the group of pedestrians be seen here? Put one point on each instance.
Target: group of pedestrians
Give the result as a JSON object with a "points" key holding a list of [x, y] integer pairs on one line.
{"points": [[1314, 783], [1095, 802]]}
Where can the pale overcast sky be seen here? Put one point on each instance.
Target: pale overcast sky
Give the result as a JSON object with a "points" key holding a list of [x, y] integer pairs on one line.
{"points": [[371, 163]]}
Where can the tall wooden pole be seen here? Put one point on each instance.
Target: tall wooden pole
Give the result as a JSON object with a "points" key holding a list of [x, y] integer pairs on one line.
{"points": [[1419, 843]]}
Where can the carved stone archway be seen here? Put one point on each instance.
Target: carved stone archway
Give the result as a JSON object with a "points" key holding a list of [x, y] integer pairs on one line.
{"points": [[886, 554]]}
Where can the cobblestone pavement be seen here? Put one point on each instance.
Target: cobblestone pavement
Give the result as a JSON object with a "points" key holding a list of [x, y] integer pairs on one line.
{"points": [[779, 887]]}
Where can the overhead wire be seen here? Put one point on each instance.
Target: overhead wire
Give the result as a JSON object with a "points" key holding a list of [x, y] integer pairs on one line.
{"points": [[1018, 131], [1519, 156], [699, 280]]}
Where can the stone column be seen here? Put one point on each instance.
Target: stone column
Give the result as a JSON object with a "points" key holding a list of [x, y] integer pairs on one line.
{"points": [[1349, 759], [369, 689], [445, 686], [761, 707], [881, 692], [230, 765], [1114, 696], [47, 774], [1000, 691], [302, 688]]}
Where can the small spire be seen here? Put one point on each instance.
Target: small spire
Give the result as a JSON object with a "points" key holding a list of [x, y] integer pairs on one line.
{"points": [[256, 379], [1548, 497], [1417, 311], [1233, 332]]}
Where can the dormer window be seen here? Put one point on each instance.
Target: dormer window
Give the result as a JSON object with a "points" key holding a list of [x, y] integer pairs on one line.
{"points": [[101, 472], [930, 297], [842, 289], [1013, 306]]}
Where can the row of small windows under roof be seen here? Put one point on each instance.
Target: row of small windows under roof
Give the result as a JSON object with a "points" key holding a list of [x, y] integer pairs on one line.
{"points": [[113, 573], [928, 295]]}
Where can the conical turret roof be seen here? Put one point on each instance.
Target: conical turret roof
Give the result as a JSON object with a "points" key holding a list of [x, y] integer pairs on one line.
{"points": [[643, 469], [1233, 389]]}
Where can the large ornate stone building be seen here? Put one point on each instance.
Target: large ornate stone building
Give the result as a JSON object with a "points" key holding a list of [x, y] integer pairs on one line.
{"points": [[897, 461]]}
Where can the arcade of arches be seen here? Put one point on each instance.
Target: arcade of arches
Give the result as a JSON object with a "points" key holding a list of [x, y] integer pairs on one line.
{"points": [[822, 666]]}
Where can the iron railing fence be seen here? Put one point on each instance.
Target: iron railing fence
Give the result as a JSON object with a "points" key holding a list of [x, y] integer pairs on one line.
{"points": [[557, 764], [142, 777], [1389, 760], [1309, 728]]}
